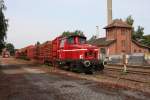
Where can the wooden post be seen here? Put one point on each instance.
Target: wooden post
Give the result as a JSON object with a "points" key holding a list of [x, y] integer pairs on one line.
{"points": [[125, 61]]}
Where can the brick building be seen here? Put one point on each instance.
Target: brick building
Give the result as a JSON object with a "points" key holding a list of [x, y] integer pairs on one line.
{"points": [[118, 40]]}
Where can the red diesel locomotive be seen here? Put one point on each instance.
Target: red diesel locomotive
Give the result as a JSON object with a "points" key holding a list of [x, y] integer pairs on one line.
{"points": [[68, 51]]}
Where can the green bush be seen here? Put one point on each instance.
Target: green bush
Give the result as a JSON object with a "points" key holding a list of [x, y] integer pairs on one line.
{"points": [[25, 58]]}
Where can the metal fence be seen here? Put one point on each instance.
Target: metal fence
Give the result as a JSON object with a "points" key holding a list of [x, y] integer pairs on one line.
{"points": [[147, 58], [133, 59]]}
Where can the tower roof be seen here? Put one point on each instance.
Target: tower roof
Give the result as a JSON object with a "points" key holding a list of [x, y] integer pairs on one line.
{"points": [[118, 23]]}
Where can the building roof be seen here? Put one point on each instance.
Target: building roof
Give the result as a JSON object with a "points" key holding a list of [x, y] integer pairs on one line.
{"points": [[102, 42], [147, 36], [140, 44], [118, 23]]}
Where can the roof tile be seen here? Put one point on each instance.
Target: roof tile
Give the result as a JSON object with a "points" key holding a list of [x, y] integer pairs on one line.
{"points": [[118, 23]]}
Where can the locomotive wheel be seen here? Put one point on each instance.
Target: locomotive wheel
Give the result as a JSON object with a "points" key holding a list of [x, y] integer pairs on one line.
{"points": [[76, 67], [99, 67], [72, 65], [88, 71], [102, 66]]}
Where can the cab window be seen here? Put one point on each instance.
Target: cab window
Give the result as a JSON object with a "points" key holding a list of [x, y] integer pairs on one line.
{"points": [[62, 43], [71, 40], [82, 40]]}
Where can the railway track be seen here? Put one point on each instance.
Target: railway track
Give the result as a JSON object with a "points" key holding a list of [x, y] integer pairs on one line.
{"points": [[130, 66], [129, 71], [128, 79], [115, 72]]}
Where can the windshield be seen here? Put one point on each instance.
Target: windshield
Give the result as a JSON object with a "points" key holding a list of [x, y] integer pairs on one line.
{"points": [[82, 40], [76, 40], [71, 40]]}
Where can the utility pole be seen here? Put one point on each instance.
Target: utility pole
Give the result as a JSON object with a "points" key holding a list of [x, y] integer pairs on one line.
{"points": [[109, 11], [97, 32]]}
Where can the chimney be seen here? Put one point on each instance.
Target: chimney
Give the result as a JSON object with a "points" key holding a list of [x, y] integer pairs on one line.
{"points": [[109, 11]]}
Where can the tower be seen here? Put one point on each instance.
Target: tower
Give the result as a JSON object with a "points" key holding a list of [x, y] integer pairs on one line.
{"points": [[109, 11], [120, 32]]}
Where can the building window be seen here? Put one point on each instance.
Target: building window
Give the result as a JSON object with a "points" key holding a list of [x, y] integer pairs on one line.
{"points": [[123, 51], [123, 31], [123, 43], [135, 50], [103, 50]]}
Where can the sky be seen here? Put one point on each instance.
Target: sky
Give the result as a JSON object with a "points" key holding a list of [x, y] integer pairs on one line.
{"points": [[41, 20]]}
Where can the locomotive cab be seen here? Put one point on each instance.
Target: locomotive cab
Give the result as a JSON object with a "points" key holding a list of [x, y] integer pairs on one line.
{"points": [[77, 54]]}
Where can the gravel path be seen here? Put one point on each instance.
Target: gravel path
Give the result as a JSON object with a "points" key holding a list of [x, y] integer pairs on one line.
{"points": [[20, 82]]}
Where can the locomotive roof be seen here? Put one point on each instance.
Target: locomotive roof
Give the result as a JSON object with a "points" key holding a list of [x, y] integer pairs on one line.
{"points": [[70, 35], [75, 33]]}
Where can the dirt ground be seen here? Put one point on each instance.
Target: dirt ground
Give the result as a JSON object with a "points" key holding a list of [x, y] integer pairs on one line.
{"points": [[22, 80]]}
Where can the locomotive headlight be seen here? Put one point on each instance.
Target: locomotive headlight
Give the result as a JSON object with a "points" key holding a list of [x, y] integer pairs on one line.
{"points": [[81, 56], [87, 63]]}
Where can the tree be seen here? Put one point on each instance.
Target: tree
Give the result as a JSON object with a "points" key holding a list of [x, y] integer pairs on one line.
{"points": [[66, 33], [3, 25], [146, 40], [138, 35], [37, 49], [10, 47], [37, 43], [130, 20], [78, 32]]}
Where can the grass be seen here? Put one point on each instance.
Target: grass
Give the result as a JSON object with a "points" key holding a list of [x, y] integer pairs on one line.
{"points": [[124, 73], [25, 58]]}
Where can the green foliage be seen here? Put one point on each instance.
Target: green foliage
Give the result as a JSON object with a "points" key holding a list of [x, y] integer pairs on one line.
{"points": [[3, 25], [146, 40], [66, 33], [10, 47], [130, 20], [77, 32], [24, 58], [138, 34]]}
